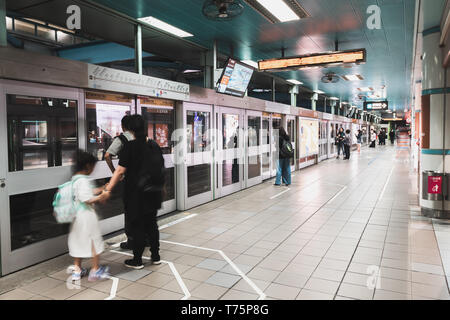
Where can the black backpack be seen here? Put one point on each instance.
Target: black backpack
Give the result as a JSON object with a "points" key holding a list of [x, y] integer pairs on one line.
{"points": [[152, 175], [124, 141], [286, 149]]}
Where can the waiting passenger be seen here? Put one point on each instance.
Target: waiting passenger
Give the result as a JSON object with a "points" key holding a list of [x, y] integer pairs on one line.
{"points": [[284, 161], [85, 239], [115, 150], [392, 136], [347, 144], [340, 142], [359, 140], [373, 138], [142, 163]]}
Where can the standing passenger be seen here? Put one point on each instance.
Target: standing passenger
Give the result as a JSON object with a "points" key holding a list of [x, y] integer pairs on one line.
{"points": [[115, 150], [347, 144], [340, 140], [284, 162], [142, 202], [359, 140], [392, 136], [373, 138]]}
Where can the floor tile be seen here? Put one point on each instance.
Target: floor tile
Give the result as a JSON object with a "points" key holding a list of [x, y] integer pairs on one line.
{"points": [[282, 292], [17, 294], [239, 295], [161, 294], [42, 285], [136, 291], [207, 291], [314, 295], [212, 264], [89, 294], [223, 279], [156, 279], [133, 275], [321, 285], [355, 292]]}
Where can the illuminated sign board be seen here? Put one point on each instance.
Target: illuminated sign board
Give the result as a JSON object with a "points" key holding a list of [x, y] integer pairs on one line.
{"points": [[379, 105], [313, 60]]}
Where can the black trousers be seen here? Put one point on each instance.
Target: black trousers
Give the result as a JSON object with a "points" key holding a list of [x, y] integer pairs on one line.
{"points": [[143, 228], [347, 151]]}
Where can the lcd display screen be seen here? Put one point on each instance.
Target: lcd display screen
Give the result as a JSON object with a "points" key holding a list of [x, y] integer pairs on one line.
{"points": [[235, 78]]}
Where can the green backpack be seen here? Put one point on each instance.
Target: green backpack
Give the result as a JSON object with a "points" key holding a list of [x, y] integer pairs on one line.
{"points": [[64, 208]]}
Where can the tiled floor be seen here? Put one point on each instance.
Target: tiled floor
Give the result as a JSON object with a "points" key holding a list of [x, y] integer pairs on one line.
{"points": [[344, 230]]}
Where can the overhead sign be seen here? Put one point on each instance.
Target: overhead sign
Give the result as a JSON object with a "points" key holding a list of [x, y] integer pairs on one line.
{"points": [[314, 60], [376, 105], [103, 78]]}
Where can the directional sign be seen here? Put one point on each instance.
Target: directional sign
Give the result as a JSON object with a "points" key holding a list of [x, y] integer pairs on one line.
{"points": [[376, 105]]}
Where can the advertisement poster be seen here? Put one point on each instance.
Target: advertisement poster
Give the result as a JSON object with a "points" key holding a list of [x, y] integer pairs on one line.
{"points": [[309, 138], [162, 135], [109, 118]]}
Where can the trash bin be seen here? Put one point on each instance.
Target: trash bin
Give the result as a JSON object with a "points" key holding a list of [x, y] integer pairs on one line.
{"points": [[434, 185]]}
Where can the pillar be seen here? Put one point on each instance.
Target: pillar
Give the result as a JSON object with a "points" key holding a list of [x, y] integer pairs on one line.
{"points": [[210, 64], [435, 141], [3, 31], [314, 98], [138, 49], [294, 92], [273, 90]]}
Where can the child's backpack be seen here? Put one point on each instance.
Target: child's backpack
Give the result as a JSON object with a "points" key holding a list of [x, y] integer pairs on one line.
{"points": [[64, 209]]}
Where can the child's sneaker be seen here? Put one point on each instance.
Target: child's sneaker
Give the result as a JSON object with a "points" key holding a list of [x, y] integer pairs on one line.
{"points": [[76, 276], [101, 273]]}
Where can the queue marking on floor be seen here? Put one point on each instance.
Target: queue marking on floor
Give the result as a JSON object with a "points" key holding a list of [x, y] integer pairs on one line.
{"points": [[283, 192], [261, 294], [114, 287], [172, 267]]}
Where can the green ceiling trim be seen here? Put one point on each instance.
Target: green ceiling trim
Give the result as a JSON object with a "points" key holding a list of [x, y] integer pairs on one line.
{"points": [[435, 91], [435, 29]]}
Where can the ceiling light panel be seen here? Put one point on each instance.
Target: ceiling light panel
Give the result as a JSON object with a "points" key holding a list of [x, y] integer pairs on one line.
{"points": [[293, 81], [156, 23], [353, 77], [279, 10], [252, 63]]}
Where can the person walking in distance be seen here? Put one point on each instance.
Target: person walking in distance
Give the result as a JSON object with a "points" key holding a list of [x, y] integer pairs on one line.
{"points": [[142, 163], [285, 154], [115, 150], [373, 138], [340, 142], [392, 136]]}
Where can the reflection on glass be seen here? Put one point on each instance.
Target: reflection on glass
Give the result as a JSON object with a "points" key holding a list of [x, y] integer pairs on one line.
{"points": [[254, 167], [230, 131], [46, 33], [42, 132], [160, 127], [199, 179], [266, 162], [254, 126], [24, 27], [266, 131], [230, 172], [104, 124], [32, 218], [198, 124]]}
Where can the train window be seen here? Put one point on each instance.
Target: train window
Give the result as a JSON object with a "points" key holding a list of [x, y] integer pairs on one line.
{"points": [[198, 125], [160, 127], [230, 131], [104, 124], [254, 126], [42, 132]]}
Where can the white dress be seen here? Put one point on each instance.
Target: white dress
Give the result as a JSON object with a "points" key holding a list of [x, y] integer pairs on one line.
{"points": [[85, 229]]}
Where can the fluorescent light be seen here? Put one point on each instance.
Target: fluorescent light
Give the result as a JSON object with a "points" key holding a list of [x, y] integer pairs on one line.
{"points": [[365, 89], [280, 10], [251, 63], [319, 91], [333, 98], [165, 27], [353, 77], [191, 71], [293, 81]]}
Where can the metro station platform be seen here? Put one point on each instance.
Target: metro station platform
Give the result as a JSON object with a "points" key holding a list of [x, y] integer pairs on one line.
{"points": [[342, 230]]}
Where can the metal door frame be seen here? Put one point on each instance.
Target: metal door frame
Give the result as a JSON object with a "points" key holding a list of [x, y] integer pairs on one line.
{"points": [[31, 180], [229, 154], [267, 148], [253, 151], [293, 139], [185, 159], [169, 159]]}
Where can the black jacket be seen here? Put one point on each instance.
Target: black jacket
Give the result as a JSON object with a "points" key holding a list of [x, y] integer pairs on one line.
{"points": [[280, 144]]}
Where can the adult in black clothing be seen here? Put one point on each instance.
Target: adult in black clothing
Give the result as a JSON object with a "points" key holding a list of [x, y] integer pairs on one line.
{"points": [[340, 140], [392, 136], [140, 207], [284, 162]]}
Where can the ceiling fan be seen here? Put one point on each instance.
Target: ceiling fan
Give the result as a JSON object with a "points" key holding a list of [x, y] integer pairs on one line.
{"points": [[330, 78], [222, 10]]}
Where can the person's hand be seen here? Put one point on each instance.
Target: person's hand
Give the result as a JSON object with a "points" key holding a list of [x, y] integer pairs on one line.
{"points": [[104, 196]]}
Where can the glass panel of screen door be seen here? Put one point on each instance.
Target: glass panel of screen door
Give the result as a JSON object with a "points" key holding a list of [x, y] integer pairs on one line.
{"points": [[42, 132], [254, 161]]}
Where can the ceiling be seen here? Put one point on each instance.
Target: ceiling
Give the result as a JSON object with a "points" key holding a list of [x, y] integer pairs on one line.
{"points": [[251, 36]]}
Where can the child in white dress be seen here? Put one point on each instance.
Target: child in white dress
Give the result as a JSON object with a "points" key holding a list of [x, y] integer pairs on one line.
{"points": [[85, 239]]}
